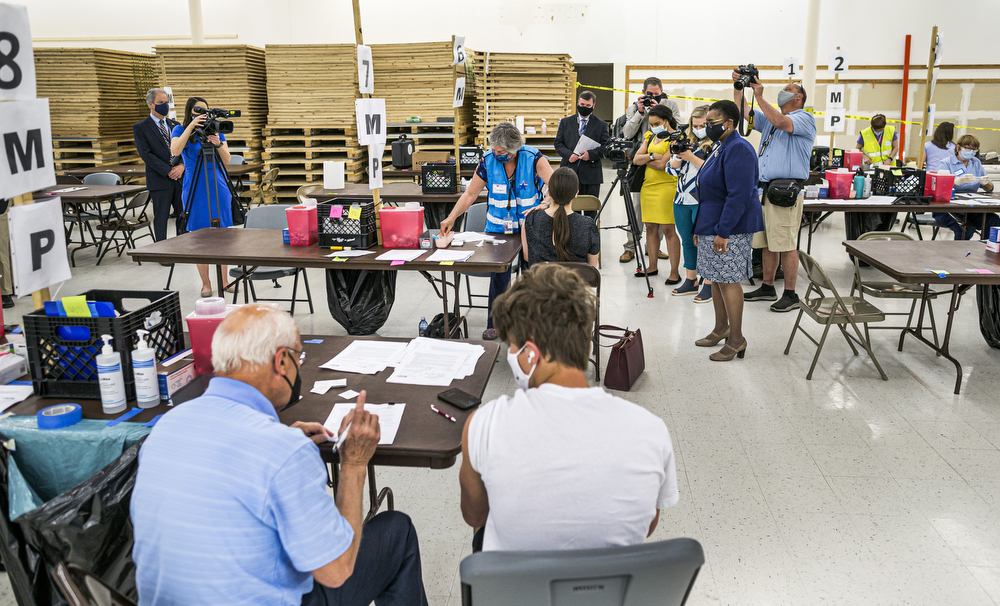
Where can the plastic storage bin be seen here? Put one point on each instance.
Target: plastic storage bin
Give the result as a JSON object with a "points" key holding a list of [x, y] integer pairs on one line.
{"points": [[202, 322], [302, 225], [402, 226], [853, 159], [839, 183], [61, 367], [939, 187], [336, 228], [898, 181], [438, 178]]}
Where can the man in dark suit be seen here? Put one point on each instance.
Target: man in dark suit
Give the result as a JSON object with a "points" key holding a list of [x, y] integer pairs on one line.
{"points": [[586, 164], [152, 139]]}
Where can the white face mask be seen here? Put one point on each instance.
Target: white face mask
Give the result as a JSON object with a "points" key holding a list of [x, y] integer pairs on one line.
{"points": [[700, 133], [520, 378]]}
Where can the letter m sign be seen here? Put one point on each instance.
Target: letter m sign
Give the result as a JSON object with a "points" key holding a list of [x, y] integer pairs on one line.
{"points": [[25, 147]]}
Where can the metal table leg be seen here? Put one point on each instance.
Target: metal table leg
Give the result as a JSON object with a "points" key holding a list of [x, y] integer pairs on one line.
{"points": [[375, 497], [943, 349]]}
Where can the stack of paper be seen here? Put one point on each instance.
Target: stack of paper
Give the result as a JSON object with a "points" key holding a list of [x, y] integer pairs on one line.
{"points": [[435, 362], [389, 416], [400, 254], [471, 236], [365, 357], [13, 394], [321, 387], [351, 253], [450, 255]]}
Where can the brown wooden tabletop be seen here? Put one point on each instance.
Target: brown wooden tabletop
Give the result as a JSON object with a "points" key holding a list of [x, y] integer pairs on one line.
{"points": [[414, 173], [389, 192], [956, 206], [139, 170], [264, 248], [425, 438], [909, 261], [89, 193]]}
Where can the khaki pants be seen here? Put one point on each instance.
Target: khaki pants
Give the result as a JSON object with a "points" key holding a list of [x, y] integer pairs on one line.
{"points": [[6, 271], [781, 226]]}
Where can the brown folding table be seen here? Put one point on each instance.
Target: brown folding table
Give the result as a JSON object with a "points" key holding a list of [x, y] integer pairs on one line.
{"points": [[425, 438], [252, 248], [84, 195], [909, 263], [127, 172]]}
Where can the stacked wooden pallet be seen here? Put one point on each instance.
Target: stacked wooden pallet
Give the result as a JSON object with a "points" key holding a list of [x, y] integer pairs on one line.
{"points": [[95, 96], [226, 76], [534, 86], [311, 90]]}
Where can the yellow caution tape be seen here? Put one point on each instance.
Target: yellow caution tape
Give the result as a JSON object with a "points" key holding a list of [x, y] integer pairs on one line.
{"points": [[810, 110]]}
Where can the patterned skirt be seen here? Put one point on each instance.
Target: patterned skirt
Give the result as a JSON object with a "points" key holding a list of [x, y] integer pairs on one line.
{"points": [[735, 265]]}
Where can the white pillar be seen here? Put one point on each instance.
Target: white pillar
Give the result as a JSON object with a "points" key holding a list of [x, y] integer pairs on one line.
{"points": [[809, 57], [197, 22]]}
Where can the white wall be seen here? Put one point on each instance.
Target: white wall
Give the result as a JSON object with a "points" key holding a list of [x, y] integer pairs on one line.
{"points": [[592, 31]]}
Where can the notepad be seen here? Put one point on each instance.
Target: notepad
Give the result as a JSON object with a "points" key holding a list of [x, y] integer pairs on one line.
{"points": [[389, 418], [443, 256], [401, 254]]}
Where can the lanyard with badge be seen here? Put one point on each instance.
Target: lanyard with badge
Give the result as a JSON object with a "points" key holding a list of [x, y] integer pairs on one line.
{"points": [[507, 188]]}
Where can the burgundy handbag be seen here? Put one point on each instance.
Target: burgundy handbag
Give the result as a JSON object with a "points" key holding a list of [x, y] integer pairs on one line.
{"points": [[626, 360]]}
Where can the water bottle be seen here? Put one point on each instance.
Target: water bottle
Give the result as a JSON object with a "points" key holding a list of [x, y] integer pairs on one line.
{"points": [[422, 328]]}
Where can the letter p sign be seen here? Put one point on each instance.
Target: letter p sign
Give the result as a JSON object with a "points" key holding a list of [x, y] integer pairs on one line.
{"points": [[835, 121], [41, 243], [37, 246]]}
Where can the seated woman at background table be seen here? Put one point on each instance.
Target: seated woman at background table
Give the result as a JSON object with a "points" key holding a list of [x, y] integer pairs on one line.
{"points": [[969, 176], [558, 233], [200, 199], [515, 173]]}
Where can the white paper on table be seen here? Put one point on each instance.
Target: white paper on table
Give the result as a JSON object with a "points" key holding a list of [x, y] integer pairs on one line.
{"points": [[350, 394], [449, 255], [13, 394], [585, 144], [389, 417], [471, 236], [428, 368], [880, 200], [364, 357], [343, 254], [470, 351], [400, 254], [321, 387], [66, 190]]}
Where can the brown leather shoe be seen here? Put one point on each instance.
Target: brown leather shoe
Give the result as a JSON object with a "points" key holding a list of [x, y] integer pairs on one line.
{"points": [[627, 256], [663, 255]]}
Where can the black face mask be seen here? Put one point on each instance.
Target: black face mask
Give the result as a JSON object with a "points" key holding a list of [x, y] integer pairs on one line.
{"points": [[715, 131], [584, 111], [659, 97], [296, 389]]}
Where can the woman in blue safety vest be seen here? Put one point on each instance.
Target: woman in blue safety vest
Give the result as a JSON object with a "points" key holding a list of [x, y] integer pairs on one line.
{"points": [[514, 174]]}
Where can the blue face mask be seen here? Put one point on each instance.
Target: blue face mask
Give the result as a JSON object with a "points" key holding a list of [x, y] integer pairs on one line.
{"points": [[968, 154], [657, 129], [162, 108], [502, 159]]}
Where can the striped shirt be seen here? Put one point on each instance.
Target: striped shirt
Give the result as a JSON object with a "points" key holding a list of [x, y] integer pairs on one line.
{"points": [[230, 506], [687, 180]]}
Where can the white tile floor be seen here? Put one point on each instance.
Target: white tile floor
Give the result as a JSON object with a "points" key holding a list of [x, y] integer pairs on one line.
{"points": [[840, 490]]}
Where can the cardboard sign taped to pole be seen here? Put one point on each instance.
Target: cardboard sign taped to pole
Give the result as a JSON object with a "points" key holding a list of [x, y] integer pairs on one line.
{"points": [[371, 120], [366, 76], [38, 246], [459, 99], [25, 147], [17, 60], [375, 152], [835, 120]]}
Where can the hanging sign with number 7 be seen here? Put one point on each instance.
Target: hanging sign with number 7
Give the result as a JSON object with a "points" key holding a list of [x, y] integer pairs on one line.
{"points": [[791, 67], [366, 79], [17, 61]]}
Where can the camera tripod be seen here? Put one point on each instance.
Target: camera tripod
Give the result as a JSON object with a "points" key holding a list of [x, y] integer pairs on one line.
{"points": [[624, 188]]}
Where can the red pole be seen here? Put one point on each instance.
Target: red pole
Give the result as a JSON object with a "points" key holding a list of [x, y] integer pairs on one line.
{"points": [[902, 114]]}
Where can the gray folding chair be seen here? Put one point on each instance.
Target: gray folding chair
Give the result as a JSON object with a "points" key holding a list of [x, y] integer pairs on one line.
{"points": [[588, 203], [592, 277], [475, 220], [652, 574], [893, 290], [102, 179], [269, 217], [833, 311], [236, 159]]}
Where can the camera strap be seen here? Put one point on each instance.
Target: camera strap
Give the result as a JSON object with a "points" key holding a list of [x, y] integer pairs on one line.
{"points": [[766, 142], [739, 127]]}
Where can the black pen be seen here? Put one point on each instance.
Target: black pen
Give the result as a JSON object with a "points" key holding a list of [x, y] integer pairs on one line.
{"points": [[444, 414]]}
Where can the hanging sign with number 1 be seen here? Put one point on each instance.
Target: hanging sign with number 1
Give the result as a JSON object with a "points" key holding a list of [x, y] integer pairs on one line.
{"points": [[791, 67], [17, 61]]}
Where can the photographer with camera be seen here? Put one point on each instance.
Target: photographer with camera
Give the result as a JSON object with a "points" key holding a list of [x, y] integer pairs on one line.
{"points": [[689, 154], [635, 127], [658, 189], [203, 202], [787, 136], [587, 165]]}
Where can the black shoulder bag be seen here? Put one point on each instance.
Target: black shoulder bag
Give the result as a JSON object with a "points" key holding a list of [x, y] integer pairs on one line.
{"points": [[781, 192]]}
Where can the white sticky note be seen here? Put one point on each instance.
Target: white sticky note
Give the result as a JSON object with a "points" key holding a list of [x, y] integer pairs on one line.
{"points": [[350, 394], [333, 175]]}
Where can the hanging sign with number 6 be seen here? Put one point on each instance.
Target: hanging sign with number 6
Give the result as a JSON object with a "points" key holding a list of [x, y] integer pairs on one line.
{"points": [[791, 67], [838, 63], [366, 79], [459, 51], [17, 61]]}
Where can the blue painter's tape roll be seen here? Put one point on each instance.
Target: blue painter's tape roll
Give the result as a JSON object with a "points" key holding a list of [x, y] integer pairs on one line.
{"points": [[60, 415]]}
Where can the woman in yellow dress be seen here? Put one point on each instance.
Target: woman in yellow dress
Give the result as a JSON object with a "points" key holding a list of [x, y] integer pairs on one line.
{"points": [[657, 195]]}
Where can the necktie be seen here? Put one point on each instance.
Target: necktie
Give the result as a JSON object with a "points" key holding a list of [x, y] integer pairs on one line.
{"points": [[166, 138], [583, 125]]}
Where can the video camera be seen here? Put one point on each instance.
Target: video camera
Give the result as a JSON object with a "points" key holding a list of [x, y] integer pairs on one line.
{"points": [[747, 75], [212, 124], [618, 149], [679, 141]]}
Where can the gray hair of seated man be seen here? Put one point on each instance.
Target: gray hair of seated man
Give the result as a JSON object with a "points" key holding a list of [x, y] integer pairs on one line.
{"points": [[251, 335], [506, 135]]}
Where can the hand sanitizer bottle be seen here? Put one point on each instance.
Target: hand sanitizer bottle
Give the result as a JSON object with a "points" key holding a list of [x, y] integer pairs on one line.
{"points": [[147, 389], [109, 375]]}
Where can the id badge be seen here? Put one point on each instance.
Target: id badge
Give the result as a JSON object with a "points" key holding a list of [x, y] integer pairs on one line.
{"points": [[959, 172], [500, 189], [508, 227]]}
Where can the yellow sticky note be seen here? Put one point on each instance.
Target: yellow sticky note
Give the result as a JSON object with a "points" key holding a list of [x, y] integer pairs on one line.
{"points": [[354, 213], [447, 262], [76, 307], [339, 259]]}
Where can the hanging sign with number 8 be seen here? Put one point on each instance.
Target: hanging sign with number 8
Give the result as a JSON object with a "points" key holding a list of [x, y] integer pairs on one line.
{"points": [[17, 61]]}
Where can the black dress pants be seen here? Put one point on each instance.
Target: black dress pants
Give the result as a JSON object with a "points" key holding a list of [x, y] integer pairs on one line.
{"points": [[165, 203]]}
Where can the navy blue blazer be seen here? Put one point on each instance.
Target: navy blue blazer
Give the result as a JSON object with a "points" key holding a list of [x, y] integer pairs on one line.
{"points": [[727, 190], [155, 153]]}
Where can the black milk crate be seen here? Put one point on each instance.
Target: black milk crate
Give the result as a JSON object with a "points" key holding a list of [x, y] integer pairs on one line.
{"points": [[343, 231], [438, 178], [470, 156], [67, 367], [898, 181], [820, 160]]}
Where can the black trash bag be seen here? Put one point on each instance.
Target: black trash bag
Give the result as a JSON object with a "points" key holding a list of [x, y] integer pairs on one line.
{"points": [[434, 213], [88, 526], [24, 569], [360, 300], [857, 224], [988, 299]]}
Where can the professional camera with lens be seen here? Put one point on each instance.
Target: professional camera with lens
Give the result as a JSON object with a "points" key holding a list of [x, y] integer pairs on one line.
{"points": [[679, 141], [618, 149], [647, 100], [747, 75], [212, 124]]}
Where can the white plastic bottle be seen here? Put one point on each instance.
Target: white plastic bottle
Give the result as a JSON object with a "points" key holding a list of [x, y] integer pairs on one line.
{"points": [[147, 389], [109, 375]]}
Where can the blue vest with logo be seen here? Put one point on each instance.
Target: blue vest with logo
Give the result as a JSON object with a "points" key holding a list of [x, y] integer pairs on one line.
{"points": [[507, 204]]}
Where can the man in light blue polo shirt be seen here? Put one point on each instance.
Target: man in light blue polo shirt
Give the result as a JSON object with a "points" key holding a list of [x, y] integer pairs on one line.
{"points": [[230, 505], [787, 134]]}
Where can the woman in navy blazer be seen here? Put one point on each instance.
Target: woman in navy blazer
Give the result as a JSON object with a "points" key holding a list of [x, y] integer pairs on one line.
{"points": [[728, 215]]}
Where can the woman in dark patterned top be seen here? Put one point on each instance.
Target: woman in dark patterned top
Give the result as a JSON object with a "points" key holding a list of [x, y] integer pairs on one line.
{"points": [[555, 232]]}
